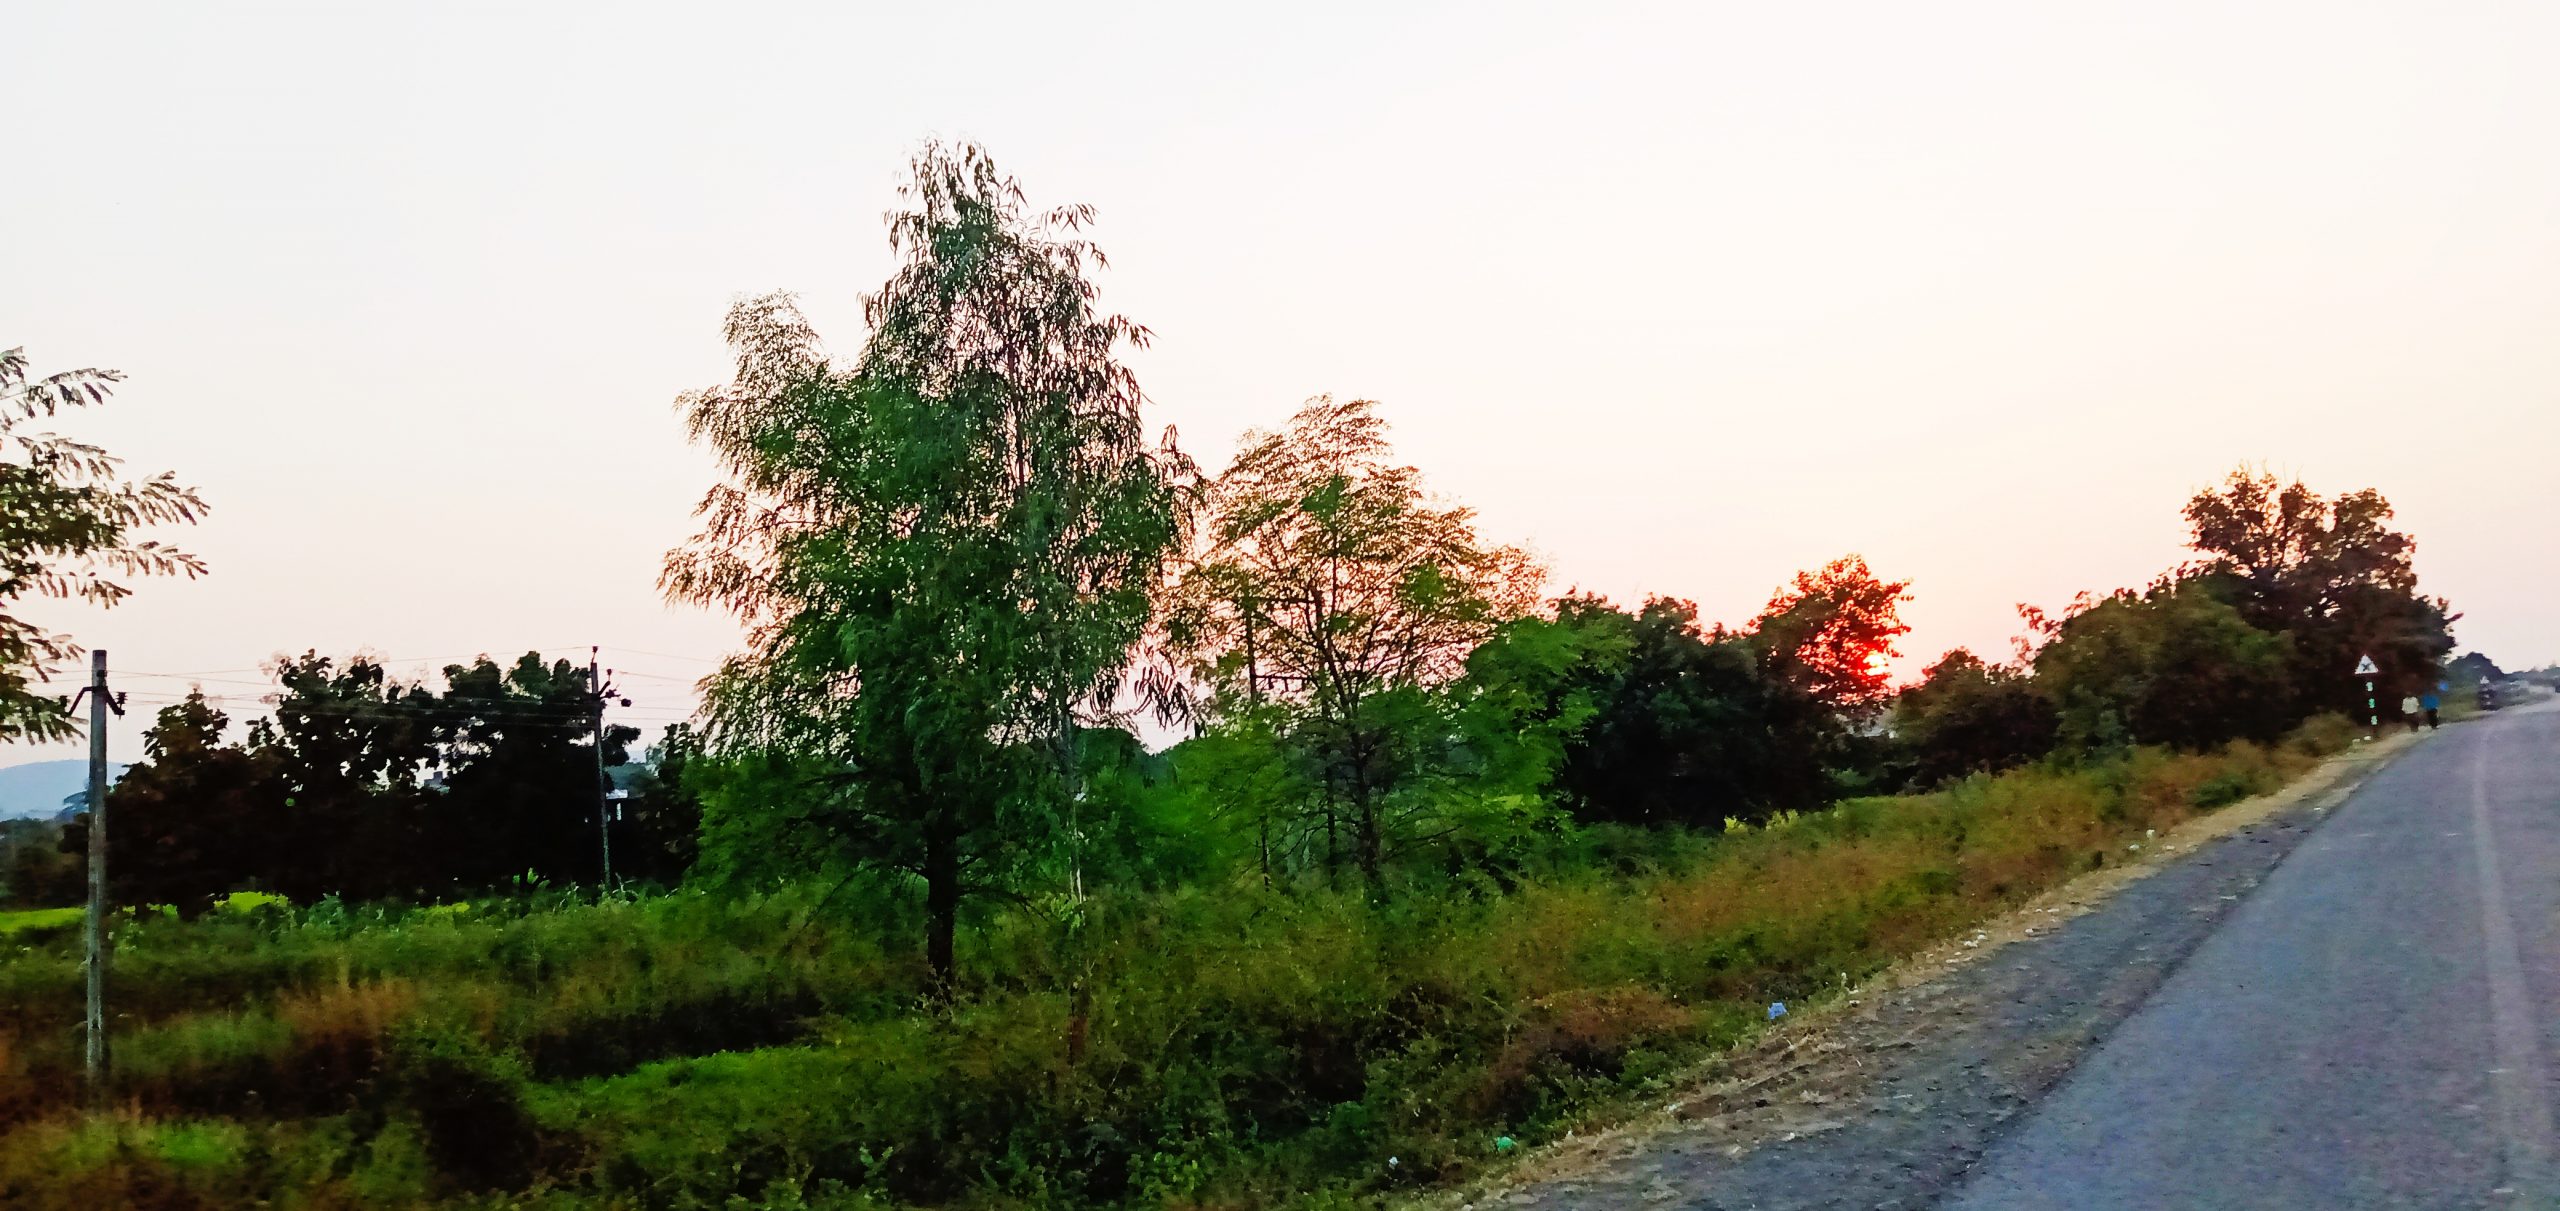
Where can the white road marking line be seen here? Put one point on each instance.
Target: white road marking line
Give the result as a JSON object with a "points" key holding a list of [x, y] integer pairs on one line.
{"points": [[2524, 1109]]}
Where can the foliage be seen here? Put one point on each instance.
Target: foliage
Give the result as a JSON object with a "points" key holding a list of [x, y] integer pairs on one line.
{"points": [[66, 531], [1647, 719], [941, 552], [365, 787], [662, 820], [1830, 632], [1188, 1047], [1967, 717], [521, 772], [35, 870], [2470, 669], [2329, 574], [194, 818], [2172, 666], [1330, 586]]}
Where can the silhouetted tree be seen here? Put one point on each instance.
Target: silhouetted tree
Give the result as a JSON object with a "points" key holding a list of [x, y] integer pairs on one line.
{"points": [[354, 744], [1830, 632], [38, 868], [1968, 717], [662, 821], [196, 817], [1654, 720], [520, 784]]}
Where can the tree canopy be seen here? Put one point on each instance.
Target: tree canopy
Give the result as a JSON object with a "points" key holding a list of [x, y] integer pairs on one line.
{"points": [[2331, 574], [942, 551], [67, 523], [1331, 584], [1830, 632], [364, 786]]}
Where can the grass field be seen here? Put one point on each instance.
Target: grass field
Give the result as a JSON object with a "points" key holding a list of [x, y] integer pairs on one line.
{"points": [[25, 923], [1228, 1049]]}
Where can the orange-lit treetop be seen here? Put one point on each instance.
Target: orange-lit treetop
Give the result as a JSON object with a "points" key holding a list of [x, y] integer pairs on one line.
{"points": [[1829, 633]]}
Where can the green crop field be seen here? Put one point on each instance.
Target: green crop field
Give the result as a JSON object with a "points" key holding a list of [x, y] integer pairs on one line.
{"points": [[36, 921]]}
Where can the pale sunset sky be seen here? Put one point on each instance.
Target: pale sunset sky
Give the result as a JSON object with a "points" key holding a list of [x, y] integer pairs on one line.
{"points": [[1684, 296]]}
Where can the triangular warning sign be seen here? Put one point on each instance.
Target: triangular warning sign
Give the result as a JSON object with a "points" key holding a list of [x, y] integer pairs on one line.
{"points": [[2367, 668]]}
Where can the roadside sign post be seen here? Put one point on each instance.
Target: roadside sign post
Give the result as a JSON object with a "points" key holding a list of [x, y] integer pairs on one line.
{"points": [[2367, 669]]}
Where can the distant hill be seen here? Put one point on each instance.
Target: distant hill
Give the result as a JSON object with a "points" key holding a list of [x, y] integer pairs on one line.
{"points": [[36, 790]]}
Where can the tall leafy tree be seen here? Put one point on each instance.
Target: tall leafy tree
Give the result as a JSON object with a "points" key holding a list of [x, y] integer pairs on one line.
{"points": [[2328, 572], [1330, 581], [943, 551], [67, 523]]}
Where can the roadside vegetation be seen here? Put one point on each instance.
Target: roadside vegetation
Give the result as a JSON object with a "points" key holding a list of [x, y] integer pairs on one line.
{"points": [[1441, 865], [1187, 1047]]}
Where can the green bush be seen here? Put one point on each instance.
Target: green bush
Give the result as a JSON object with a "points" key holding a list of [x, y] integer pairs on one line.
{"points": [[468, 1104]]}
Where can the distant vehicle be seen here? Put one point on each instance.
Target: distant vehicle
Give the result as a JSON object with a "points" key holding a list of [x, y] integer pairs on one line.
{"points": [[2488, 695]]}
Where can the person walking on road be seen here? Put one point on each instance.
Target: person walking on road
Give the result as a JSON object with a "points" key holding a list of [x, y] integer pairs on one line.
{"points": [[2429, 703], [2409, 712]]}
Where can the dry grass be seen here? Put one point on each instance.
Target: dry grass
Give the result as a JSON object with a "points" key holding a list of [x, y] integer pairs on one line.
{"points": [[1776, 1083]]}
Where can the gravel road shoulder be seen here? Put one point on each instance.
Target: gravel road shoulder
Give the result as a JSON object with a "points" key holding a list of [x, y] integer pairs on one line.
{"points": [[1885, 1098]]}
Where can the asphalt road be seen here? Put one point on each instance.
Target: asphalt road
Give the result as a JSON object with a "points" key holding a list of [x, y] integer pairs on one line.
{"points": [[2374, 1026]]}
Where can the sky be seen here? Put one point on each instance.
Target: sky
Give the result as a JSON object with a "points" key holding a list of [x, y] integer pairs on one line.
{"points": [[1685, 297]]}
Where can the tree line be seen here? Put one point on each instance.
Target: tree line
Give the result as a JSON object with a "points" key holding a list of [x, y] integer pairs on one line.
{"points": [[969, 576], [363, 786], [965, 572]]}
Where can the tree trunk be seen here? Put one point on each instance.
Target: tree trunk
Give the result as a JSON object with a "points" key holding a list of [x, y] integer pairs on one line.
{"points": [[941, 905], [1365, 814], [1332, 843], [1071, 779]]}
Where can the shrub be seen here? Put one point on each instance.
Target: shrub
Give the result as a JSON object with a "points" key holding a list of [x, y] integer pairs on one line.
{"points": [[469, 1107]]}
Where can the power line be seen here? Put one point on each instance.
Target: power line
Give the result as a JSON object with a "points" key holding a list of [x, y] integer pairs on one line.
{"points": [[667, 656]]}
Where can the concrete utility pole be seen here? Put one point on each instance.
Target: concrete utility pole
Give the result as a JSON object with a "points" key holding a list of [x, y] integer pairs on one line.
{"points": [[96, 1020], [604, 829]]}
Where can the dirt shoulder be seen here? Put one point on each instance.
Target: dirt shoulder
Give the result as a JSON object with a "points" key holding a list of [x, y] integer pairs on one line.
{"points": [[1885, 1097]]}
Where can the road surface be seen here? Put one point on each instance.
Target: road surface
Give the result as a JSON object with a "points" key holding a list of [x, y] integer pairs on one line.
{"points": [[2373, 1027], [2351, 999]]}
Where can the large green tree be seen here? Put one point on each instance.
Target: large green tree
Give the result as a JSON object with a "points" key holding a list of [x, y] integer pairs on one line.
{"points": [[943, 551], [67, 523]]}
